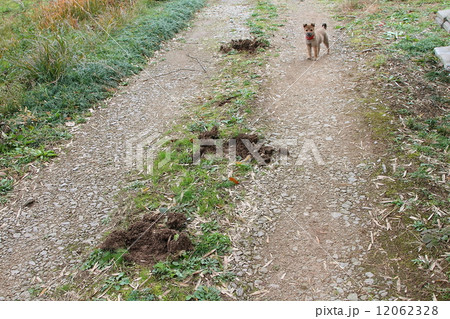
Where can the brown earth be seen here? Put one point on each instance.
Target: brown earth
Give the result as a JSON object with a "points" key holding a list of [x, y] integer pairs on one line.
{"points": [[151, 240], [262, 153], [248, 45]]}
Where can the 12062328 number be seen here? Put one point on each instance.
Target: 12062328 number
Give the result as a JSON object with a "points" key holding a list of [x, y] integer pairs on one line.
{"points": [[407, 310]]}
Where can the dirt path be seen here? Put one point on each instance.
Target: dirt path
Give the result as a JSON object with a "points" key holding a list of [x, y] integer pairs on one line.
{"points": [[306, 233], [70, 199], [308, 230]]}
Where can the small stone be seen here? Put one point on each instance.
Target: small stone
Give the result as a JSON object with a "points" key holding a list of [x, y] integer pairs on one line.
{"points": [[264, 270], [336, 215], [368, 281], [239, 292], [369, 274], [343, 265], [356, 262], [275, 286], [352, 297], [25, 295]]}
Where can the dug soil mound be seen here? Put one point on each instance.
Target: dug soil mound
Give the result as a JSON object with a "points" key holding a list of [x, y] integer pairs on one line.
{"points": [[211, 134], [248, 45], [152, 239], [265, 152]]}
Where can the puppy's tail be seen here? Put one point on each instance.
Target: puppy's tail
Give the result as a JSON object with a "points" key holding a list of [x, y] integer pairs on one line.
{"points": [[324, 26]]}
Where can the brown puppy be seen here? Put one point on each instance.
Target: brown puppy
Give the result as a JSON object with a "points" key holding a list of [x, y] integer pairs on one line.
{"points": [[314, 37]]}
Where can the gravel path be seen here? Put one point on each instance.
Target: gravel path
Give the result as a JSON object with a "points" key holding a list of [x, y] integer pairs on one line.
{"points": [[308, 230], [55, 217]]}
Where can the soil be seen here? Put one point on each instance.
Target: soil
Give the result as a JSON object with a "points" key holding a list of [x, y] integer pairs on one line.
{"points": [[212, 134], [264, 151], [151, 240], [248, 45]]}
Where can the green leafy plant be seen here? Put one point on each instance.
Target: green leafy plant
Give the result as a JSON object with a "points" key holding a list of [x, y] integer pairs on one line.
{"points": [[103, 258], [185, 266], [205, 293], [418, 225], [209, 226], [141, 295], [6, 185], [116, 281], [209, 241], [434, 237]]}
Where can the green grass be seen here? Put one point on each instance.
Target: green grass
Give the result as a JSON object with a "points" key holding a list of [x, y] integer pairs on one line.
{"points": [[50, 77], [205, 293]]}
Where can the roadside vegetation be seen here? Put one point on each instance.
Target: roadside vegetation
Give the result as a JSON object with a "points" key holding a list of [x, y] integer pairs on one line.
{"points": [[202, 193], [60, 58], [405, 97]]}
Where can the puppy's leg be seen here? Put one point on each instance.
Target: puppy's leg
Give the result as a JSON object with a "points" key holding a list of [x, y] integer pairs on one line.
{"points": [[325, 41], [308, 46], [316, 52]]}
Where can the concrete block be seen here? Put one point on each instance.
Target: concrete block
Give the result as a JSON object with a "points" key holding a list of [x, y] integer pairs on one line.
{"points": [[444, 54], [443, 19]]}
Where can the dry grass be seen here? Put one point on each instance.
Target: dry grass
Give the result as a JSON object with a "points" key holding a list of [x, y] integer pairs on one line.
{"points": [[352, 5], [72, 12]]}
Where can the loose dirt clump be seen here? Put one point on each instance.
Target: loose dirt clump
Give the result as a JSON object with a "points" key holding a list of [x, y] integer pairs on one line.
{"points": [[265, 152], [211, 134], [176, 221], [151, 239], [248, 45]]}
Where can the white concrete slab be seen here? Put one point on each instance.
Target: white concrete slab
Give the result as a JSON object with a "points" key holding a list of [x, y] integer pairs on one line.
{"points": [[443, 19], [444, 54]]}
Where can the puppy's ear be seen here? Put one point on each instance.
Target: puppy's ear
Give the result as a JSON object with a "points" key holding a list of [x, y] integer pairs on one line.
{"points": [[313, 24], [305, 25]]}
